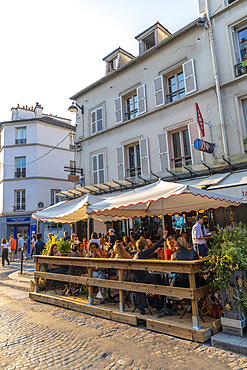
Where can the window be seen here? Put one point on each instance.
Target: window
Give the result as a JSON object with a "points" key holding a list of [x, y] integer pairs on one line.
{"points": [[176, 148], [230, 1], [180, 144], [133, 104], [98, 168], [240, 47], [131, 109], [175, 85], [72, 142], [72, 165], [244, 104], [20, 200], [242, 43], [97, 120], [20, 167], [176, 88], [21, 136], [135, 158], [112, 65], [55, 198]]}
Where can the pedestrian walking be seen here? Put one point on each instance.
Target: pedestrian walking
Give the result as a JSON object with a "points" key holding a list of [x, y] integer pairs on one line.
{"points": [[12, 243], [33, 243], [5, 250], [20, 246]]}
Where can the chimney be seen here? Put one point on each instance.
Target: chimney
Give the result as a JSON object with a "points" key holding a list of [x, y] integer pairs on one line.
{"points": [[38, 110]]}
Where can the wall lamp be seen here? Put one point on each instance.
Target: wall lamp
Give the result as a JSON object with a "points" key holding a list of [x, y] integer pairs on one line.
{"points": [[74, 108]]}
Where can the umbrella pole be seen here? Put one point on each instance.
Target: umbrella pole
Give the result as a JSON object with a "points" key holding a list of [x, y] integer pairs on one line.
{"points": [[88, 225], [163, 226]]}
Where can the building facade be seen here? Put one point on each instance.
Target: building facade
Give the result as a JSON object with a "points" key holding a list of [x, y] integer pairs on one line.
{"points": [[34, 150], [139, 120]]}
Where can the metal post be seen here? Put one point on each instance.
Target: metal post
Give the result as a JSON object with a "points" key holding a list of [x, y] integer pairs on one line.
{"points": [[163, 226], [21, 260]]}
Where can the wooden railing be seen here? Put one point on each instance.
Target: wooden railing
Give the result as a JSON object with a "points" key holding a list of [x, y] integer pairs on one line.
{"points": [[188, 267]]}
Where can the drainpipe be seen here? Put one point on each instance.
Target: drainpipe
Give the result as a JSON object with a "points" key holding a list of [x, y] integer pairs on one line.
{"points": [[208, 25]]}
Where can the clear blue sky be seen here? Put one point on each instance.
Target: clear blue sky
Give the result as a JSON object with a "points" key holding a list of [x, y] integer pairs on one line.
{"points": [[51, 49]]}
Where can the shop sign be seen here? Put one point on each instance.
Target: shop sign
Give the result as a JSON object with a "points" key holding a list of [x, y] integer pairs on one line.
{"points": [[18, 219], [204, 146], [73, 178], [200, 119]]}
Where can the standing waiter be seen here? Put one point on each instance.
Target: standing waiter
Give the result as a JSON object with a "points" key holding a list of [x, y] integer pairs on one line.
{"points": [[198, 238]]}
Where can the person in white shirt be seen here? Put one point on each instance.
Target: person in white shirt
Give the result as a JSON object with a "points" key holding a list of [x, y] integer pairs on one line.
{"points": [[198, 238], [20, 246], [5, 251]]}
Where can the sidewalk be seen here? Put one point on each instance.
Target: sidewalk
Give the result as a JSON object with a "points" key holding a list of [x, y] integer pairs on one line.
{"points": [[25, 277]]}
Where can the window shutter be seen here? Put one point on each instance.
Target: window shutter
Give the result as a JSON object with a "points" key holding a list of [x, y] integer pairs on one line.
{"points": [[144, 154], [93, 122], [159, 91], [118, 110], [141, 99], [189, 76], [163, 151], [120, 163], [101, 168], [99, 114], [95, 168], [194, 133]]}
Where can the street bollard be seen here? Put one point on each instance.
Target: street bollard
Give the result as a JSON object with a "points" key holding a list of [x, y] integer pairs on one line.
{"points": [[21, 260]]}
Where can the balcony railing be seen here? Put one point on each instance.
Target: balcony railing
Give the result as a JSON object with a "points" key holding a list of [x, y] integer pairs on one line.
{"points": [[20, 172], [20, 141], [19, 207], [241, 69]]}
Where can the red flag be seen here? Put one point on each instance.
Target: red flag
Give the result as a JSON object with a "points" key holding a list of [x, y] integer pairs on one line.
{"points": [[200, 120]]}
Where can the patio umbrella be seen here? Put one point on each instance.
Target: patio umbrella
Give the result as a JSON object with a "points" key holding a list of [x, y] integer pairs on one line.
{"points": [[161, 198]]}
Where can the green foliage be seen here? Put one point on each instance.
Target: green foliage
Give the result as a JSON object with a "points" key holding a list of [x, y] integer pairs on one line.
{"points": [[229, 252], [63, 246], [245, 140]]}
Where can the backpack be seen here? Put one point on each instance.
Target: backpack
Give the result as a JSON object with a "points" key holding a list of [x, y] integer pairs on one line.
{"points": [[139, 300]]}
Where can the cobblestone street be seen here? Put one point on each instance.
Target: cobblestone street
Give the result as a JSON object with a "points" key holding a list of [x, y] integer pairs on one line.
{"points": [[37, 336]]}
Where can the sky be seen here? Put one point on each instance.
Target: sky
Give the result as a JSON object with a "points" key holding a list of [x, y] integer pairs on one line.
{"points": [[51, 49]]}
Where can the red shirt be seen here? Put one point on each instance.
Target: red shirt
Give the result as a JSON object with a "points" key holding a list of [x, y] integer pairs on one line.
{"points": [[168, 254]]}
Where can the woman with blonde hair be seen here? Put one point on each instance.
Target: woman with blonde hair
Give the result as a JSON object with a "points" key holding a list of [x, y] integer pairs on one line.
{"points": [[120, 252]]}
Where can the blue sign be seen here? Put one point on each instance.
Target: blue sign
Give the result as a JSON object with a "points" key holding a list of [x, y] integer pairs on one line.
{"points": [[33, 230], [18, 219], [204, 146], [81, 180]]}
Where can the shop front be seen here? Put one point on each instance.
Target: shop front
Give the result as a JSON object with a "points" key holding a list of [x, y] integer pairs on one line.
{"points": [[20, 225]]}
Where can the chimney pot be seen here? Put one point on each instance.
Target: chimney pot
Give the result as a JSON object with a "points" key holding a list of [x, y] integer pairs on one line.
{"points": [[18, 105]]}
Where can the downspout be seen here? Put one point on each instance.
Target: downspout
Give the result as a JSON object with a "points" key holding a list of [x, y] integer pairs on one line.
{"points": [[208, 25]]}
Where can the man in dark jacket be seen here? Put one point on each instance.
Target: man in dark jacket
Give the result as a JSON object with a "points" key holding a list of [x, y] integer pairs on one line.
{"points": [[144, 253], [39, 246], [183, 254]]}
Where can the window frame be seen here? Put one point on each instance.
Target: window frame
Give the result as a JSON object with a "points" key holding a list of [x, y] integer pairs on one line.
{"points": [[178, 91], [72, 138], [183, 157], [53, 197], [21, 173], [20, 206], [97, 171], [137, 169], [23, 139], [133, 96], [94, 111]]}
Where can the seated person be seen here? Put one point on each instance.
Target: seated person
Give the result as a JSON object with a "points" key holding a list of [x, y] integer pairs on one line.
{"points": [[143, 253], [54, 252], [119, 250], [93, 252], [183, 254], [81, 249], [172, 247], [131, 246], [72, 270]]}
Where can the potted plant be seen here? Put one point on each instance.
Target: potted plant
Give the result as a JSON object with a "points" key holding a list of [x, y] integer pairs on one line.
{"points": [[228, 261], [63, 246]]}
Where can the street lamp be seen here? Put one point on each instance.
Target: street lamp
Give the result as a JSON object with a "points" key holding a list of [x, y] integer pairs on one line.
{"points": [[74, 108]]}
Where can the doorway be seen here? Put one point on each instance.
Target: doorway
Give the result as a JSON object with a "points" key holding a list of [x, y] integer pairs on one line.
{"points": [[24, 231]]}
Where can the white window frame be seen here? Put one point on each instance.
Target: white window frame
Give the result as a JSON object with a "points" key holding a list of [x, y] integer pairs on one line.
{"points": [[96, 122], [20, 206], [175, 74], [97, 170], [21, 168], [22, 138], [171, 148], [55, 199]]}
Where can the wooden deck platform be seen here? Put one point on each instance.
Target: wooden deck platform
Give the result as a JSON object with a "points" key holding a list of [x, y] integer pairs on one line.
{"points": [[171, 325]]}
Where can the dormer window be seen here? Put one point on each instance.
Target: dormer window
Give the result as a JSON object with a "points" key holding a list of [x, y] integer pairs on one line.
{"points": [[151, 37], [117, 59]]}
